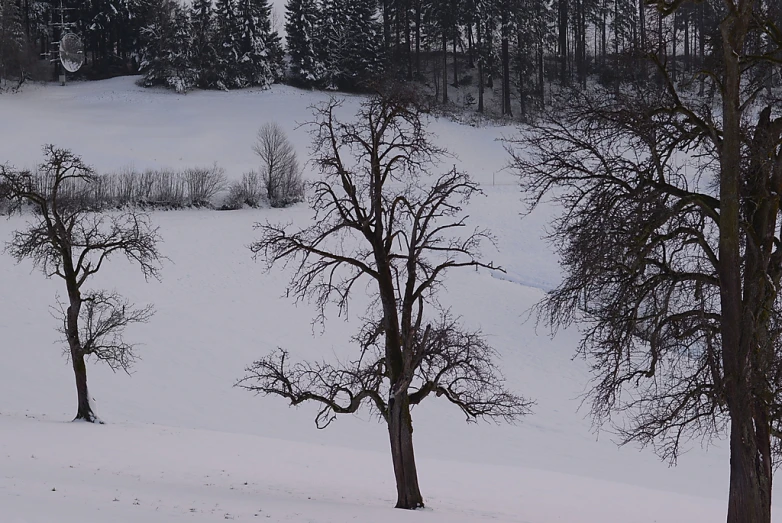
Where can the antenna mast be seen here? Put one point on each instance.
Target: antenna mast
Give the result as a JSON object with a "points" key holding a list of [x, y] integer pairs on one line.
{"points": [[59, 29]]}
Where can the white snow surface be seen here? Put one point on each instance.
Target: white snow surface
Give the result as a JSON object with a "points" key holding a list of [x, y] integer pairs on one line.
{"points": [[182, 444]]}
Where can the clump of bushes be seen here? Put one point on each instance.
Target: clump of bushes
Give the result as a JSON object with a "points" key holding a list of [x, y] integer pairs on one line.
{"points": [[161, 188], [151, 188], [278, 182]]}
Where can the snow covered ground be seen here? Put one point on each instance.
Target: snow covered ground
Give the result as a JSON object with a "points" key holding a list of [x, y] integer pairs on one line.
{"points": [[182, 444]]}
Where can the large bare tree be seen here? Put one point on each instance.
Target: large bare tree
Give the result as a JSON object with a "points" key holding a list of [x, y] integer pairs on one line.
{"points": [[69, 239], [670, 241], [381, 217]]}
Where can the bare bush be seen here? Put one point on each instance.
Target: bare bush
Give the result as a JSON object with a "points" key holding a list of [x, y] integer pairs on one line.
{"points": [[247, 191], [157, 188], [280, 170], [203, 184], [168, 189]]}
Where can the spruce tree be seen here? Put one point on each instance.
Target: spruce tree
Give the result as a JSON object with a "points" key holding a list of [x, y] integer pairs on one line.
{"points": [[166, 58], [352, 44], [226, 45], [202, 23], [260, 58], [301, 28], [12, 39]]}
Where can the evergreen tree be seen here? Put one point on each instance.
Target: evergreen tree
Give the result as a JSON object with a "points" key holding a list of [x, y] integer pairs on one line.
{"points": [[12, 39], [301, 27], [352, 44], [166, 58], [260, 59], [226, 45], [204, 55]]}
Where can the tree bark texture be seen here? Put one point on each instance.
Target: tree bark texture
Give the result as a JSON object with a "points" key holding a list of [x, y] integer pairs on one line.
{"points": [[84, 409], [400, 430]]}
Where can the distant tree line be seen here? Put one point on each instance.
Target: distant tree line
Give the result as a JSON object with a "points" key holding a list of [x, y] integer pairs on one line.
{"points": [[507, 55]]}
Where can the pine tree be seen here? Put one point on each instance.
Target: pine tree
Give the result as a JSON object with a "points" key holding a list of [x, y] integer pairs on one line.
{"points": [[351, 43], [12, 39], [166, 58], [301, 27], [226, 45], [204, 55], [260, 59]]}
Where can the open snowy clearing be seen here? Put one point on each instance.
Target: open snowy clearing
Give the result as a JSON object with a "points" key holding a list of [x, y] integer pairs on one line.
{"points": [[182, 444]]}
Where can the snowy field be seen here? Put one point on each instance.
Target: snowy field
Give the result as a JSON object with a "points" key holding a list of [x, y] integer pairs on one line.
{"points": [[182, 444]]}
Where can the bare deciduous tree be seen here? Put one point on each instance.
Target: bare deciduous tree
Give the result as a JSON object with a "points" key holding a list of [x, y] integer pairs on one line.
{"points": [[280, 170], [670, 240], [71, 240], [379, 216]]}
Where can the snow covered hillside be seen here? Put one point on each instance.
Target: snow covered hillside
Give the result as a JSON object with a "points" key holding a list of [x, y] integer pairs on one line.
{"points": [[182, 444]]}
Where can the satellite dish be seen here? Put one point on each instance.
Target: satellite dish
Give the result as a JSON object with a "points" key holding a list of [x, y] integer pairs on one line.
{"points": [[71, 52]]}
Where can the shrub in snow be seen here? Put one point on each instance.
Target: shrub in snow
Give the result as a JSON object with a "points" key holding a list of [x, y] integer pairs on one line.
{"points": [[280, 171], [247, 191], [203, 184]]}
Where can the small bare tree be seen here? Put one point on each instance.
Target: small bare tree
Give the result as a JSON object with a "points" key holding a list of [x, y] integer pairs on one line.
{"points": [[379, 216], [71, 240], [280, 170]]}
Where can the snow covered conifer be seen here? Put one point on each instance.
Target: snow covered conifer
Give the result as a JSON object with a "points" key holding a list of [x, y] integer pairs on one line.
{"points": [[352, 43], [204, 59], [260, 58], [166, 57], [12, 40], [301, 27], [226, 45]]}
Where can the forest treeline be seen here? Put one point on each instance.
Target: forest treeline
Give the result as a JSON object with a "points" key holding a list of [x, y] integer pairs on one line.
{"points": [[505, 54]]}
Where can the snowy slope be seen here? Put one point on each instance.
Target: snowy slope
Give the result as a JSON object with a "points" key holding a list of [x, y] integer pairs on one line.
{"points": [[180, 437]]}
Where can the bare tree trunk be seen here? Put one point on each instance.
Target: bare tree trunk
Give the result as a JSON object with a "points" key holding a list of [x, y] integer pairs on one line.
{"points": [[387, 25], [470, 47], [746, 495], [418, 37], [522, 93], [479, 45], [400, 430], [408, 43], [541, 75], [455, 56], [489, 38], [445, 66], [642, 25], [701, 48], [84, 409], [506, 108], [562, 42], [749, 498]]}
